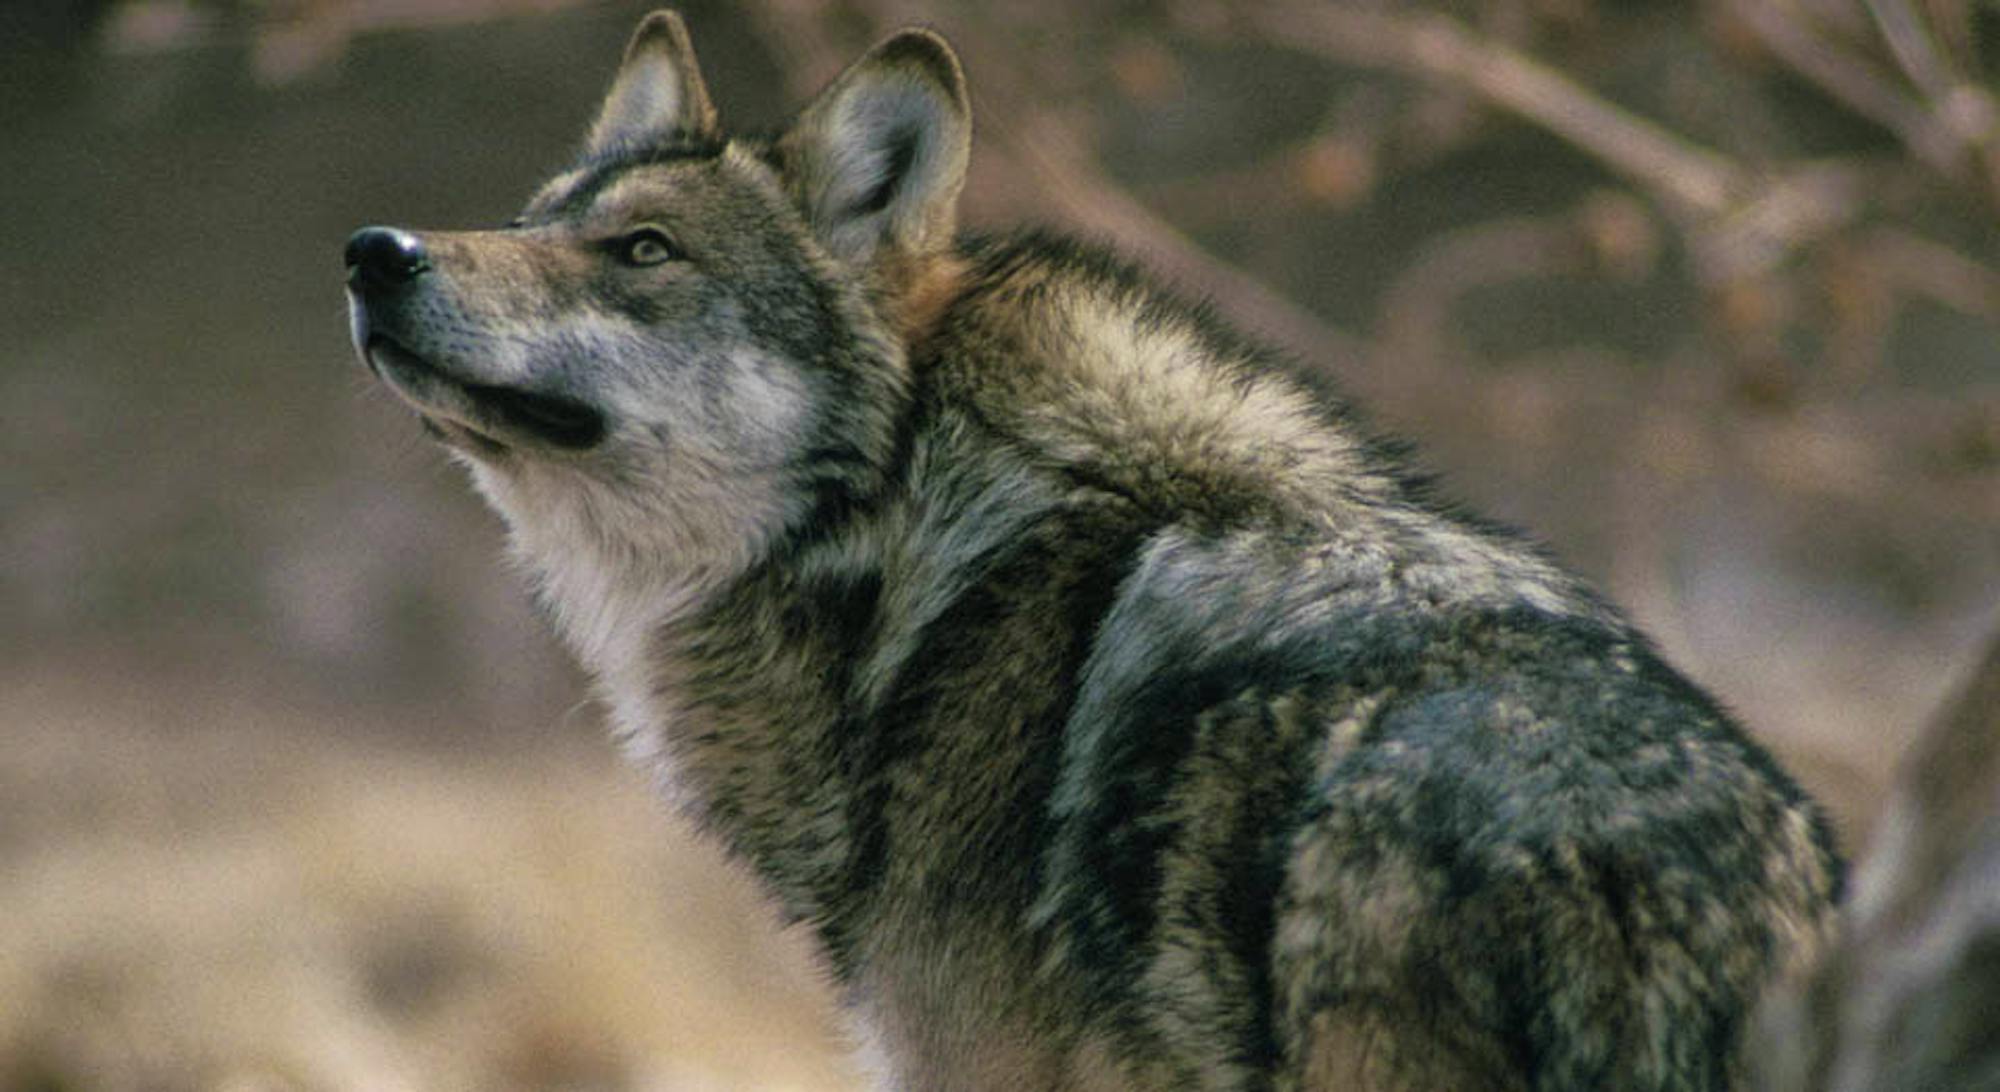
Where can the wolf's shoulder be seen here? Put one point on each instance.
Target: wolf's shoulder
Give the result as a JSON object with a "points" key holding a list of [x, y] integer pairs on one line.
{"points": [[1066, 353], [1038, 280]]}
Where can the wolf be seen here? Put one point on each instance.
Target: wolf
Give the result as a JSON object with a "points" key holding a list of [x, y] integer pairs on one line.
{"points": [[1113, 706]]}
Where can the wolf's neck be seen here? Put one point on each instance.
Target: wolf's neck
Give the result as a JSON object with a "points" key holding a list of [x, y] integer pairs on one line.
{"points": [[614, 607], [611, 577], [724, 684]]}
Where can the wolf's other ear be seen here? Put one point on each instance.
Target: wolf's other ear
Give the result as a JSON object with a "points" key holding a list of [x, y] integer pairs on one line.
{"points": [[879, 157], [658, 91]]}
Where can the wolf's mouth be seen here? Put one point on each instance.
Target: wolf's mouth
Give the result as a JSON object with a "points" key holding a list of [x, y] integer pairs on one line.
{"points": [[552, 418]]}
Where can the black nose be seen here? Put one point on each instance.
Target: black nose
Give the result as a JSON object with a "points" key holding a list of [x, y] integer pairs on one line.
{"points": [[384, 257]]}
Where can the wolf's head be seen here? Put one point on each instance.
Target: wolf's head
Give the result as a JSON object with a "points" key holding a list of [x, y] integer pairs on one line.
{"points": [[686, 343]]}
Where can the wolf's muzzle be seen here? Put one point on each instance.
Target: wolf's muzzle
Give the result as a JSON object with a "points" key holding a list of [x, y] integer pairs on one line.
{"points": [[384, 258], [388, 312]]}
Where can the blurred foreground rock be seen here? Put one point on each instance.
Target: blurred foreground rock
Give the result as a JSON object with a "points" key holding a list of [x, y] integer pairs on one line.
{"points": [[1910, 999]]}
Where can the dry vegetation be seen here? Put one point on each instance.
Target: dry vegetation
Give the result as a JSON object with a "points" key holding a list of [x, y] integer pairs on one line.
{"points": [[292, 792], [225, 891]]}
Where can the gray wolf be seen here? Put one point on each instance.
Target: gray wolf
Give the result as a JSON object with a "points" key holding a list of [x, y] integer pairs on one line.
{"points": [[1116, 710]]}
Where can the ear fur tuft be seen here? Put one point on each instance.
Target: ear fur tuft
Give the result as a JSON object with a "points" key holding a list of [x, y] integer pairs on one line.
{"points": [[878, 158], [658, 92]]}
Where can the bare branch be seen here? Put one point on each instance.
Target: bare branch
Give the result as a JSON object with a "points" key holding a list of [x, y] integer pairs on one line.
{"points": [[1415, 327], [1941, 138], [1911, 43], [1441, 49], [1740, 225], [1929, 269], [1806, 203]]}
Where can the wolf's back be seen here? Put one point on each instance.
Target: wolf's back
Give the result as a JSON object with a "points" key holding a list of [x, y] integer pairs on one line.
{"points": [[1348, 782]]}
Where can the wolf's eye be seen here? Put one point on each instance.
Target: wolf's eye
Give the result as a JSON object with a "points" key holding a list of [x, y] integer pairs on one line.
{"points": [[647, 246]]}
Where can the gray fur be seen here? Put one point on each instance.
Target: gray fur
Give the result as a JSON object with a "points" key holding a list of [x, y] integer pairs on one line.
{"points": [[1118, 712]]}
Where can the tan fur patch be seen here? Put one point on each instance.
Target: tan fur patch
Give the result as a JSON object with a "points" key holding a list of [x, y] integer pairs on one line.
{"points": [[932, 288]]}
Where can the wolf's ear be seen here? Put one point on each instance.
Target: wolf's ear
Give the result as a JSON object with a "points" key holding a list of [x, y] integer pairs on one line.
{"points": [[879, 157], [658, 91]]}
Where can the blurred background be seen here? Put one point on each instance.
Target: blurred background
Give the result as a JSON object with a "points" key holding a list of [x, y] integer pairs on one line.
{"points": [[296, 792]]}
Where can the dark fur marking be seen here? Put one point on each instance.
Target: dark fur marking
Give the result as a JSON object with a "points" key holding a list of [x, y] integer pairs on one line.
{"points": [[1146, 747], [902, 151], [1075, 560], [604, 167], [1462, 774]]}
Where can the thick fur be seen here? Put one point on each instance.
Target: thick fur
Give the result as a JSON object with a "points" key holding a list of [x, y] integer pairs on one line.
{"points": [[1114, 708]]}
